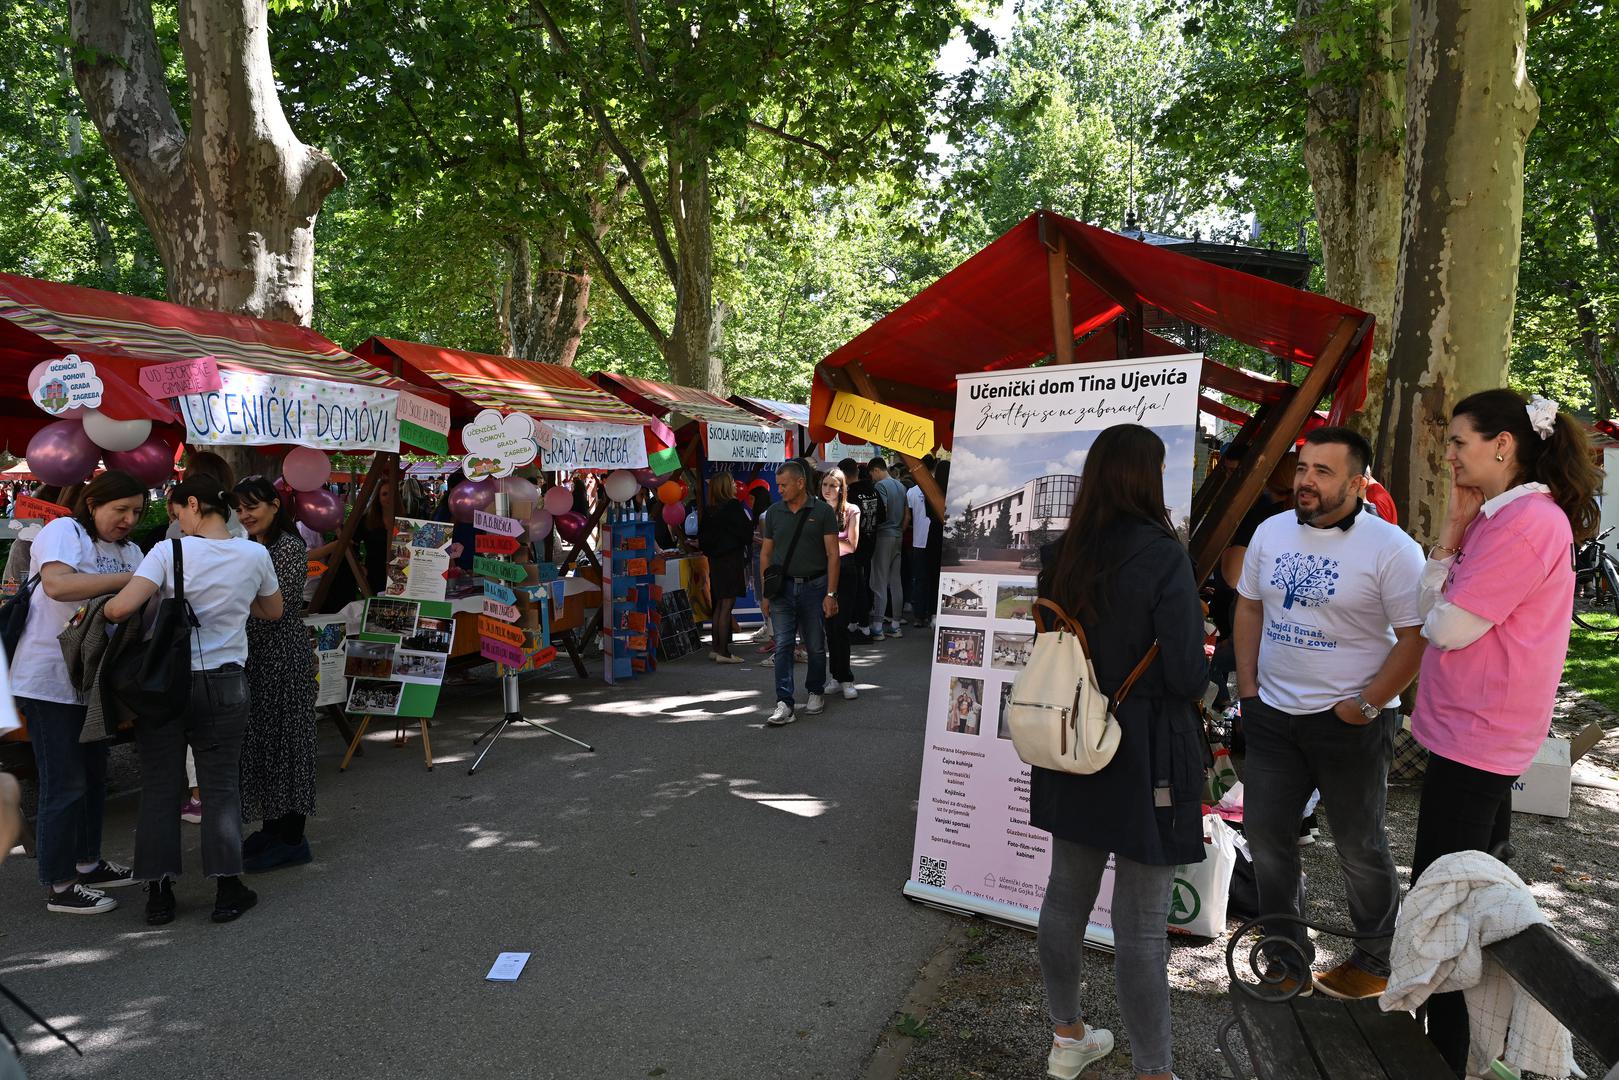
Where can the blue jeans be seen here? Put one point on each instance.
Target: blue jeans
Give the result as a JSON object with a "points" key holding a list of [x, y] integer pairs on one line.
{"points": [[798, 611], [72, 788]]}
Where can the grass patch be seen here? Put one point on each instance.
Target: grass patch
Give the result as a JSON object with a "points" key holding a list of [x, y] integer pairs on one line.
{"points": [[1593, 659]]}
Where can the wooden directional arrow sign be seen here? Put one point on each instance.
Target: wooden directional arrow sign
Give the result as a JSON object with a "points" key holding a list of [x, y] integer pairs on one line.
{"points": [[501, 653], [503, 612], [496, 569], [494, 523], [499, 631], [489, 544]]}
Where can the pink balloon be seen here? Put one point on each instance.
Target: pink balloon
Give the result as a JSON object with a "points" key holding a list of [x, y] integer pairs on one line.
{"points": [[518, 489], [152, 462], [62, 454], [540, 523], [319, 509], [558, 501], [573, 527], [470, 496], [306, 468], [674, 515]]}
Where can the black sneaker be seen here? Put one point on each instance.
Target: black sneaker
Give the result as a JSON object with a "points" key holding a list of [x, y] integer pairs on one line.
{"points": [[108, 875], [77, 900], [232, 899], [159, 902]]}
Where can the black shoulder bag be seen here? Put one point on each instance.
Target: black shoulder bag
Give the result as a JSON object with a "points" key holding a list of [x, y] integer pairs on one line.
{"points": [[153, 677], [14, 617], [775, 578]]}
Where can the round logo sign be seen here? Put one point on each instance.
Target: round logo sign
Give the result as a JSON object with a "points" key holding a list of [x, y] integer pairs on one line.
{"points": [[1184, 903]]}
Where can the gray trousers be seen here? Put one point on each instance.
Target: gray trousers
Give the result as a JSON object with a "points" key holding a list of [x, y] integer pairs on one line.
{"points": [[887, 584], [1140, 944], [212, 726]]}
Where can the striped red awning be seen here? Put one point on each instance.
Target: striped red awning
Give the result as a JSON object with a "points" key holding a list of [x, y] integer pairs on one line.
{"points": [[668, 401], [503, 383]]}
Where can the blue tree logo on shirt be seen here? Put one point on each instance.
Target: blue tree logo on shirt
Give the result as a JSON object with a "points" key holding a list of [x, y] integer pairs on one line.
{"points": [[1305, 580]]}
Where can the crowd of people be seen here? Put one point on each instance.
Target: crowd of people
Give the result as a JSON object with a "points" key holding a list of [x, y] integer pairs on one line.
{"points": [[1484, 618], [242, 747], [834, 562]]}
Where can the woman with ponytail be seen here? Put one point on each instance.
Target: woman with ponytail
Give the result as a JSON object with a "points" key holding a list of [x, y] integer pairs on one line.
{"points": [[1496, 596], [226, 579]]}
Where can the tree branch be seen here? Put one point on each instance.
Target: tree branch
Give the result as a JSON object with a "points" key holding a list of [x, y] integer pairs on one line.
{"points": [[632, 16], [1549, 11], [829, 154], [586, 231], [660, 232], [119, 73]]}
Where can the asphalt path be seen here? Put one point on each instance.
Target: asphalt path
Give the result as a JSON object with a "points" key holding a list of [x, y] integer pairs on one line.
{"points": [[704, 897]]}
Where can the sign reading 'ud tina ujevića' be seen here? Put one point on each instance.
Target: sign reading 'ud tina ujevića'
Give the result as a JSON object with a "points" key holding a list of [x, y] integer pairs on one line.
{"points": [[881, 424]]}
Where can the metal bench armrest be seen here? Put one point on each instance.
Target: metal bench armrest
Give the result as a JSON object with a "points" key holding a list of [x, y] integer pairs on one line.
{"points": [[1269, 942]]}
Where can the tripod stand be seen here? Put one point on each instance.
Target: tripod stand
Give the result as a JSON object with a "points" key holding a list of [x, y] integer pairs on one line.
{"points": [[513, 704]]}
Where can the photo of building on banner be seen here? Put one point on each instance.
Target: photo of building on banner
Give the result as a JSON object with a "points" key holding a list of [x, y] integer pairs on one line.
{"points": [[1017, 460]]}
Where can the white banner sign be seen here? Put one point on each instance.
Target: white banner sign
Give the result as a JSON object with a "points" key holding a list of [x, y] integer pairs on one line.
{"points": [[744, 442], [565, 445], [250, 409], [1021, 438], [835, 450]]}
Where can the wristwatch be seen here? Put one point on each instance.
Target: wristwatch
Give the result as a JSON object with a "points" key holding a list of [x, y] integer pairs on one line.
{"points": [[1367, 709]]}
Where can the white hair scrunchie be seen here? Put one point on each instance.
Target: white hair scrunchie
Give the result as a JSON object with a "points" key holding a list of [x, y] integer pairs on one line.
{"points": [[1542, 415]]}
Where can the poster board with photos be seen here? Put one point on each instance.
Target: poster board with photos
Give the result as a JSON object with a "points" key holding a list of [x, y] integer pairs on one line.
{"points": [[1020, 443], [395, 665]]}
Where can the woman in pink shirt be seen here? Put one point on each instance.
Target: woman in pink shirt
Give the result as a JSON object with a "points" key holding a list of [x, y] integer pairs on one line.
{"points": [[1496, 597]]}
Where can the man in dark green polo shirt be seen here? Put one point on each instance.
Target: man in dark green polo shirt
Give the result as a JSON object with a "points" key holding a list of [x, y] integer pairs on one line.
{"points": [[809, 593]]}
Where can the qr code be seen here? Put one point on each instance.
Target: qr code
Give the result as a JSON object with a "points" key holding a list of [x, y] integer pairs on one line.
{"points": [[933, 871]]}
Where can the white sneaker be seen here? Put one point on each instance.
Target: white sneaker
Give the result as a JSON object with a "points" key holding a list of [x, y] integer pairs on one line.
{"points": [[817, 703], [1067, 1062], [782, 715], [849, 692], [893, 631], [877, 635], [833, 687]]}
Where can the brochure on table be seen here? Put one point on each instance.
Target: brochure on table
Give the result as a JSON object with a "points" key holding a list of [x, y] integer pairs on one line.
{"points": [[1020, 443]]}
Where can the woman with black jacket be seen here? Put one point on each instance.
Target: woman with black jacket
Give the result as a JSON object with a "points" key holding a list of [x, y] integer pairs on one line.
{"points": [[725, 536], [1122, 573]]}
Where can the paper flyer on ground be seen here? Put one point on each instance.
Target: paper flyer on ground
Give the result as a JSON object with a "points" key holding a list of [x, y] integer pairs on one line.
{"points": [[1020, 441]]}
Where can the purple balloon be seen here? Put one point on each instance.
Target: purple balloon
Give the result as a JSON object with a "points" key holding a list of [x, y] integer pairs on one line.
{"points": [[540, 523], [152, 462], [646, 479], [319, 509], [62, 454], [573, 527], [469, 496]]}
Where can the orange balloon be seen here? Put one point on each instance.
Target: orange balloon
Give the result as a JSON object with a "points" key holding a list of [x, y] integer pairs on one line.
{"points": [[668, 492]]}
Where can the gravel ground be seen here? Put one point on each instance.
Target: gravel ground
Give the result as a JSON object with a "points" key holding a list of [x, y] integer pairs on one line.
{"points": [[988, 1019]]}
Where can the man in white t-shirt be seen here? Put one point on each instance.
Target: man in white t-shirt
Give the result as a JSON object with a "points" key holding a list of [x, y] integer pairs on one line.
{"points": [[1327, 634]]}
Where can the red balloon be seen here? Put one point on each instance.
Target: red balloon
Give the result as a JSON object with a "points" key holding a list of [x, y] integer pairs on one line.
{"points": [[674, 515], [319, 509], [152, 462], [572, 527]]}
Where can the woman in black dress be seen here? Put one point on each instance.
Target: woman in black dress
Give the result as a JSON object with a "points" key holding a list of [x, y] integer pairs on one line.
{"points": [[725, 537], [278, 748]]}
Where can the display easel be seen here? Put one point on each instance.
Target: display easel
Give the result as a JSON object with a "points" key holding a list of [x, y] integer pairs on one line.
{"points": [[399, 739]]}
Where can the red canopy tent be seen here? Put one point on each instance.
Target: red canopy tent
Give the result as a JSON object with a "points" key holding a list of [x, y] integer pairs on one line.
{"points": [[42, 320], [1054, 288]]}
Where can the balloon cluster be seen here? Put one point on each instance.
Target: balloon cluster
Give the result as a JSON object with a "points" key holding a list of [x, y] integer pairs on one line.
{"points": [[67, 451]]}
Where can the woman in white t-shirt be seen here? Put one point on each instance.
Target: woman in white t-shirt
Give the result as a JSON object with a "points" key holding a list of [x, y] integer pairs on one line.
{"points": [[226, 579], [76, 558]]}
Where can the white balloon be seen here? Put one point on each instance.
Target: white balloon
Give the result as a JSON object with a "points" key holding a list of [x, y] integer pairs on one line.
{"points": [[115, 435], [622, 486]]}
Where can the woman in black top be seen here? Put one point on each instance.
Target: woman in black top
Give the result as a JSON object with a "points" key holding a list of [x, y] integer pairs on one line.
{"points": [[725, 536], [1120, 570]]}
